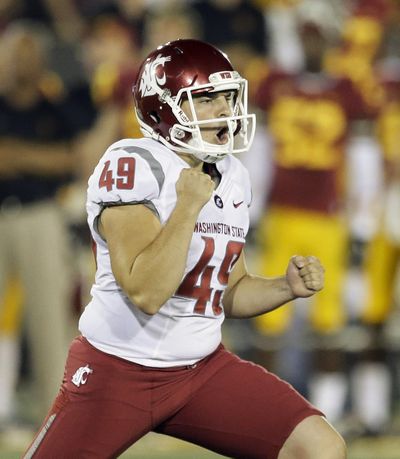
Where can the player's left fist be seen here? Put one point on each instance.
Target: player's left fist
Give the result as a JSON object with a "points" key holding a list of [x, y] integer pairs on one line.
{"points": [[305, 275]]}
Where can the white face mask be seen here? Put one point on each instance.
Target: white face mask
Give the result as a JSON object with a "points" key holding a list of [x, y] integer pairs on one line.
{"points": [[235, 140]]}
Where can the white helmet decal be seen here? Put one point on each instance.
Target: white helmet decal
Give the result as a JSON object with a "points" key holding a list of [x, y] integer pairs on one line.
{"points": [[149, 80]]}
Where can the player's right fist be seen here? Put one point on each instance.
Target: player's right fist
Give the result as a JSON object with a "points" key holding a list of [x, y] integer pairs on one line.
{"points": [[194, 187]]}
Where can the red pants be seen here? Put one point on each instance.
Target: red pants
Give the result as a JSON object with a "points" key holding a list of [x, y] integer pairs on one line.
{"points": [[223, 403]]}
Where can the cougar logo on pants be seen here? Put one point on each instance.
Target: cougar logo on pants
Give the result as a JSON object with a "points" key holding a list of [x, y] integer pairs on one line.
{"points": [[81, 375]]}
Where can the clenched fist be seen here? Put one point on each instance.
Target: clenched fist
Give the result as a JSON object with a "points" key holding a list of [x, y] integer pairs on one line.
{"points": [[194, 187], [305, 275]]}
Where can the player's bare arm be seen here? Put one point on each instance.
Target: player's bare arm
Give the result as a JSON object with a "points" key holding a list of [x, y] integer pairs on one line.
{"points": [[143, 251], [248, 295], [44, 159]]}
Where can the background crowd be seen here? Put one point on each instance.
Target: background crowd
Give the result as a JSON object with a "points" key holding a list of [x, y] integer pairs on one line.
{"points": [[324, 81]]}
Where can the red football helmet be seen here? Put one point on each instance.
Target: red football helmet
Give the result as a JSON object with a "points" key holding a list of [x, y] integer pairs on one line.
{"points": [[173, 73]]}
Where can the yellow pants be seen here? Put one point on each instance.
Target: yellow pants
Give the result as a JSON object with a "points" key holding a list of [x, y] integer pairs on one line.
{"points": [[287, 232], [11, 309], [381, 262]]}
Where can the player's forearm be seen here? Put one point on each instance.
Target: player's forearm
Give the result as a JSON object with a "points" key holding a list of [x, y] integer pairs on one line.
{"points": [[254, 295], [158, 270], [42, 159]]}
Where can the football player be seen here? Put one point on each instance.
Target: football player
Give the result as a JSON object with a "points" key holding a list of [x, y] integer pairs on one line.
{"points": [[168, 215], [321, 131]]}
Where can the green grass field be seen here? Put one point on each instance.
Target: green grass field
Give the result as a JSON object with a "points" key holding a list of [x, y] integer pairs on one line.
{"points": [[155, 446]]}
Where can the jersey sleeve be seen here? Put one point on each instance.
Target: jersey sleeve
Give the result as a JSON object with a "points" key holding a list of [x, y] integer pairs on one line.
{"points": [[126, 175]]}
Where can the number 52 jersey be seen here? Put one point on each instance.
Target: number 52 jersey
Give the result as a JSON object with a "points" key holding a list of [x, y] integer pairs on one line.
{"points": [[188, 325]]}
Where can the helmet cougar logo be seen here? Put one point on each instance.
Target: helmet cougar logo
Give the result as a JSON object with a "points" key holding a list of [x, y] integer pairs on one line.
{"points": [[150, 79]]}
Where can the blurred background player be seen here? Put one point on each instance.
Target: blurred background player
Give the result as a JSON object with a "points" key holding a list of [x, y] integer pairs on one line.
{"points": [[39, 122], [374, 372], [368, 55], [310, 115]]}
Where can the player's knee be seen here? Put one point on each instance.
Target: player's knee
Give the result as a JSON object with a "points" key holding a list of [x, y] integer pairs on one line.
{"points": [[314, 438], [327, 442], [333, 447]]}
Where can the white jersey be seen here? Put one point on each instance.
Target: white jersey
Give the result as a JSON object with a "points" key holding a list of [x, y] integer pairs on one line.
{"points": [[188, 326]]}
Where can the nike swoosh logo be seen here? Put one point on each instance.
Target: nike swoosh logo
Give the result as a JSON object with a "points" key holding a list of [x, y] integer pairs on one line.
{"points": [[237, 204]]}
